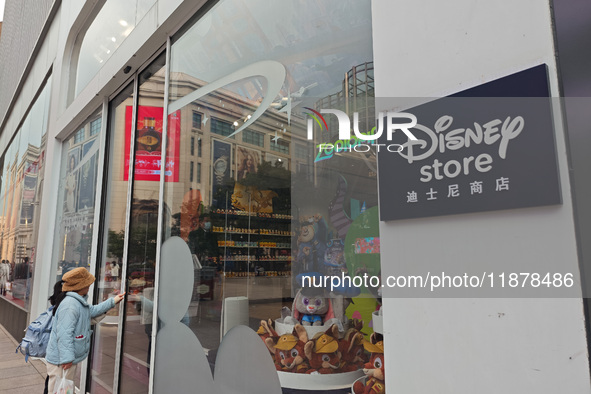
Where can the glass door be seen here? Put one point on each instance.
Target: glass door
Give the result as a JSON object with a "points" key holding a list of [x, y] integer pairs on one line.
{"points": [[109, 264], [143, 227], [120, 360]]}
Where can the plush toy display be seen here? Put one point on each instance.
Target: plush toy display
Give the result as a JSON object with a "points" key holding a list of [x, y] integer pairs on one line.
{"points": [[289, 350], [351, 348], [374, 369], [323, 352]]}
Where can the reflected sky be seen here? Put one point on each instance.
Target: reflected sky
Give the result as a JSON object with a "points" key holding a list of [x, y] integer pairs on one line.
{"points": [[317, 42]]}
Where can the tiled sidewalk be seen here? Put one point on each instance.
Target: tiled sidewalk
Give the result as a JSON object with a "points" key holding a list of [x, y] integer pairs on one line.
{"points": [[17, 376]]}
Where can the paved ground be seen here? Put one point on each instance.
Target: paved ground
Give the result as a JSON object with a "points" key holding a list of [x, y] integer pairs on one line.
{"points": [[17, 376]]}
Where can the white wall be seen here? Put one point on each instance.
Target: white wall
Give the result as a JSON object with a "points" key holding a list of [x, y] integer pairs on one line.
{"points": [[430, 49]]}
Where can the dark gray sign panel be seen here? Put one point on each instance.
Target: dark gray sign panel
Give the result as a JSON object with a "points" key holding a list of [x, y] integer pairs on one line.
{"points": [[486, 148]]}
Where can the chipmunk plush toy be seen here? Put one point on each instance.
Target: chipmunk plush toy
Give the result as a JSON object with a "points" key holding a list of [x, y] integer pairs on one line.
{"points": [[289, 350], [266, 330], [374, 369], [351, 348], [323, 352]]}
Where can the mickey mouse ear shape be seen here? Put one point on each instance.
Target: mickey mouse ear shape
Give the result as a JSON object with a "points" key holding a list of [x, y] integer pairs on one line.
{"points": [[249, 370]]}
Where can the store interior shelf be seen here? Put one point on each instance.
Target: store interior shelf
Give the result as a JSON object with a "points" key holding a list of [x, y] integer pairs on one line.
{"points": [[255, 247], [259, 261], [254, 216], [246, 233]]}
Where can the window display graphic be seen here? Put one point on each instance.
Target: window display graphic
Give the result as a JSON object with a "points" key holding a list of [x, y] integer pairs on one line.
{"points": [[367, 245], [250, 198], [148, 156]]}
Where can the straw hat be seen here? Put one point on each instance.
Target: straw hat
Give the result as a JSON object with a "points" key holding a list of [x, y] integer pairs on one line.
{"points": [[77, 279]]}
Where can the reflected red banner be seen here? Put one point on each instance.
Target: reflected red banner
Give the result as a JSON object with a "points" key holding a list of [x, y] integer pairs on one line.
{"points": [[148, 144]]}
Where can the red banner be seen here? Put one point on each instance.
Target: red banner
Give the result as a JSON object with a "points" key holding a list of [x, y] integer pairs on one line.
{"points": [[148, 144]]}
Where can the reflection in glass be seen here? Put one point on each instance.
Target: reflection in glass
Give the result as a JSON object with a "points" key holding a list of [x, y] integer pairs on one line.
{"points": [[108, 272], [267, 209], [114, 22], [141, 257], [76, 200], [22, 169]]}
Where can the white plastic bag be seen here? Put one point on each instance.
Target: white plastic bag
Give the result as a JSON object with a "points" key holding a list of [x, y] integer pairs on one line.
{"points": [[66, 386]]}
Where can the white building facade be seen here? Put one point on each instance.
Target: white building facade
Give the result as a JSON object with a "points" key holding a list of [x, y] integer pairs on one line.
{"points": [[172, 148]]}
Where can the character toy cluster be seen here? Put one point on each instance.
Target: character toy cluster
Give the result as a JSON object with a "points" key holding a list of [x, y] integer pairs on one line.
{"points": [[328, 352]]}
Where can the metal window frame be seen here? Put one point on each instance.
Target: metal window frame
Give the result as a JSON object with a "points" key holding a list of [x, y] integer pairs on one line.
{"points": [[98, 206], [159, 234], [123, 273], [131, 173]]}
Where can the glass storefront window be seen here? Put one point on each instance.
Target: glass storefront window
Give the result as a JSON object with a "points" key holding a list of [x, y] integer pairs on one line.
{"points": [[76, 200], [141, 256], [264, 215], [109, 267], [23, 166]]}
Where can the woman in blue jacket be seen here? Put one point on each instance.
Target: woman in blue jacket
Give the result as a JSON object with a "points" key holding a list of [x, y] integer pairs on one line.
{"points": [[69, 342]]}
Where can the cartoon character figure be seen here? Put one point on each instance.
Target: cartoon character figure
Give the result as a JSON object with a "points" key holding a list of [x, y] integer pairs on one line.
{"points": [[312, 308], [266, 330], [351, 348], [374, 369], [289, 350], [312, 239], [334, 258], [323, 352]]}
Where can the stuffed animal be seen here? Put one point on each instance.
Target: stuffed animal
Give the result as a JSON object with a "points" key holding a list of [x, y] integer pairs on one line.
{"points": [[351, 348], [323, 352], [312, 308], [266, 330], [289, 350], [374, 369]]}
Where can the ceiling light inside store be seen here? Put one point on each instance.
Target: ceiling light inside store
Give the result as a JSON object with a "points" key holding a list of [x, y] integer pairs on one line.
{"points": [[235, 123], [123, 23], [113, 39]]}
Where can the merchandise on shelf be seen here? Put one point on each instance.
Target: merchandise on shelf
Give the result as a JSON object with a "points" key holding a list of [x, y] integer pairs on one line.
{"points": [[252, 214], [244, 241]]}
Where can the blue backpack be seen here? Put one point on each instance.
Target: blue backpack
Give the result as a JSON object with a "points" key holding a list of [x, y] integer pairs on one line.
{"points": [[36, 338]]}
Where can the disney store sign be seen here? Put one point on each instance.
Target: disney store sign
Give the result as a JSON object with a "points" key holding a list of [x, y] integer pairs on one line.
{"points": [[486, 148]]}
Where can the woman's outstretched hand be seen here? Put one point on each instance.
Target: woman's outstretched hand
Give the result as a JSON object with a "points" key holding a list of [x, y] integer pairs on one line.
{"points": [[119, 298]]}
